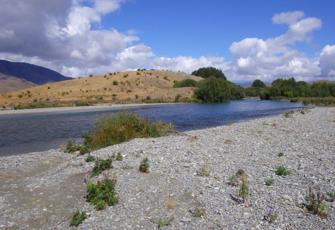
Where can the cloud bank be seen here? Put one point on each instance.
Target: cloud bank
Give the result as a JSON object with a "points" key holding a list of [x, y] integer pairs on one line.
{"points": [[68, 36]]}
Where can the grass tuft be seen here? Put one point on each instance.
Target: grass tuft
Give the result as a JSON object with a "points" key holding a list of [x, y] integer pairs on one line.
{"points": [[204, 170], [144, 165], [315, 204], [78, 218], [282, 171], [269, 182]]}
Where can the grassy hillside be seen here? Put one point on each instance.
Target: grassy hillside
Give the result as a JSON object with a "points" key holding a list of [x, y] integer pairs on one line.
{"points": [[123, 87], [10, 83]]}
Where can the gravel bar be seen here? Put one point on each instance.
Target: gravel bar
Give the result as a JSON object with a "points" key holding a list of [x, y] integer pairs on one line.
{"points": [[43, 190]]}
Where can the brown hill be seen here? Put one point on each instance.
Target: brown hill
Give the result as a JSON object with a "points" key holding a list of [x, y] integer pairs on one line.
{"points": [[10, 83], [120, 87]]}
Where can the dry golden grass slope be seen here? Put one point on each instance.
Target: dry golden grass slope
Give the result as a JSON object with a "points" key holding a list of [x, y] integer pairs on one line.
{"points": [[120, 87], [10, 83]]}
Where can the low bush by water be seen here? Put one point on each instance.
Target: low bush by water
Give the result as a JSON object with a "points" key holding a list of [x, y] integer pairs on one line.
{"points": [[123, 127]]}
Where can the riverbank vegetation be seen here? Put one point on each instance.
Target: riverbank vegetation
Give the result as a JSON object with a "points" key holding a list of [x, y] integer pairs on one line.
{"points": [[123, 127], [318, 93]]}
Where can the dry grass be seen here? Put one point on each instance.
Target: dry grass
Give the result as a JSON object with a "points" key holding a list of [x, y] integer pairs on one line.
{"points": [[137, 87]]}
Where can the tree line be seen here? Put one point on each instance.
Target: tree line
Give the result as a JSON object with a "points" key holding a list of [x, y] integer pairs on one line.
{"points": [[215, 88]]}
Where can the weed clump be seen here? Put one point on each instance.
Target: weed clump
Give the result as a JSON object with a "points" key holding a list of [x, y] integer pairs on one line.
{"points": [[162, 222], [102, 194], [101, 165], [204, 170], [269, 182], [119, 157], [78, 218], [144, 165], [122, 127], [282, 171], [315, 204], [198, 212], [90, 158], [73, 147]]}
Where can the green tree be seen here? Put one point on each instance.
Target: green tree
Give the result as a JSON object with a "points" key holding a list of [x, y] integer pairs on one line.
{"points": [[207, 72], [216, 90], [258, 83]]}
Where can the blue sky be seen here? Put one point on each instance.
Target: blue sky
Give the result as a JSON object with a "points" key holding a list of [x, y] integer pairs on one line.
{"points": [[174, 27], [264, 39]]}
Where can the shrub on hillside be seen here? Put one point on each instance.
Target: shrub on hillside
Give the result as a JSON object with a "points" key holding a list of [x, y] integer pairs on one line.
{"points": [[185, 83]]}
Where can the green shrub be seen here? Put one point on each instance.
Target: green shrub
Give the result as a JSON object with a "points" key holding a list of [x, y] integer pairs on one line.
{"points": [[269, 182], [144, 165], [115, 82], [185, 83], [90, 158], [101, 165], [282, 171], [78, 218], [102, 194], [122, 127], [280, 154], [119, 157]]}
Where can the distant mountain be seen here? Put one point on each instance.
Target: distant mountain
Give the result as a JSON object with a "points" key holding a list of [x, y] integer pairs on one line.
{"points": [[31, 73]]}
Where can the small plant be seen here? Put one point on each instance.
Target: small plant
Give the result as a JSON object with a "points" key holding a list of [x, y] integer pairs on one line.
{"points": [[119, 157], [315, 204], [78, 218], [233, 181], [101, 165], [198, 212], [244, 190], [269, 182], [282, 171], [144, 165], [90, 158], [162, 222], [204, 170], [102, 194], [330, 196], [271, 216], [280, 154], [72, 147], [115, 83]]}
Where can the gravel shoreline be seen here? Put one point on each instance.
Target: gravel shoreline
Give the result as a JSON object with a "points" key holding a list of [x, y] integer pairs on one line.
{"points": [[42, 190], [101, 107]]}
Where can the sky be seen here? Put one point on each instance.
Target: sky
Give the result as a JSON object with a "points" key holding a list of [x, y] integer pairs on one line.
{"points": [[247, 39]]}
